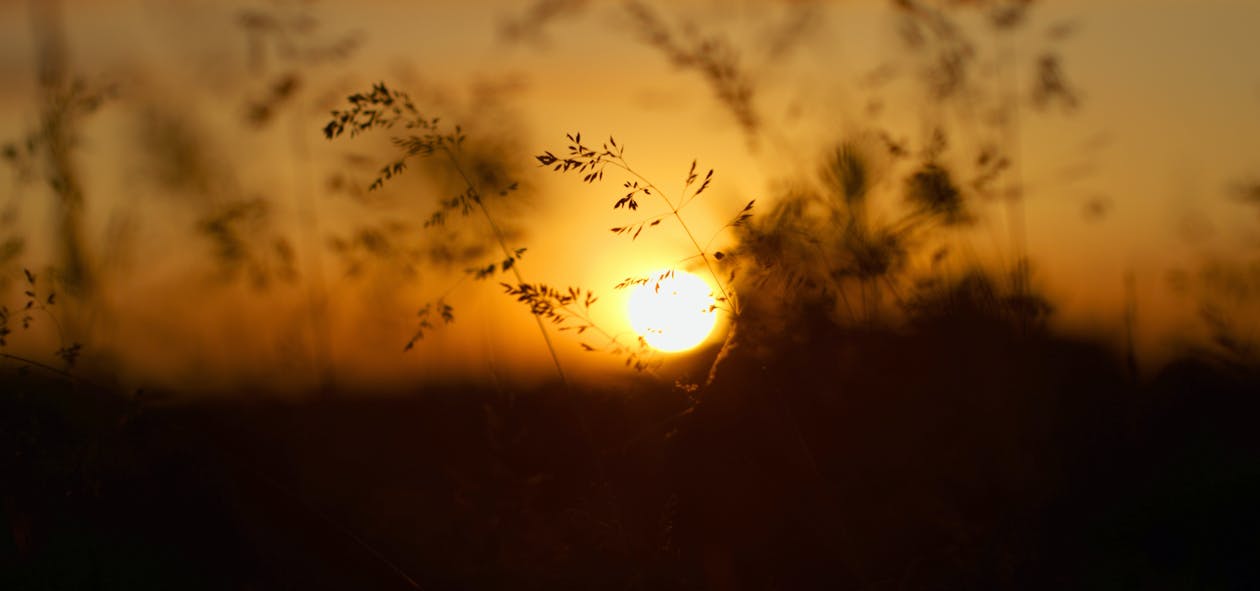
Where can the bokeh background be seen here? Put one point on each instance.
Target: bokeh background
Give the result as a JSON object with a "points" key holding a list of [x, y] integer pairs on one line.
{"points": [[231, 244]]}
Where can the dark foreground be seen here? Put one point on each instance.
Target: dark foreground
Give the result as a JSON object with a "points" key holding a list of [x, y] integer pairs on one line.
{"points": [[843, 462]]}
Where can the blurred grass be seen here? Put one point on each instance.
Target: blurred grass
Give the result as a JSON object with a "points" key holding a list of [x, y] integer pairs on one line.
{"points": [[889, 419]]}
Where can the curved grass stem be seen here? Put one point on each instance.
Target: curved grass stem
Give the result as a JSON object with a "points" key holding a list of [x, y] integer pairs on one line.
{"points": [[734, 306], [507, 252]]}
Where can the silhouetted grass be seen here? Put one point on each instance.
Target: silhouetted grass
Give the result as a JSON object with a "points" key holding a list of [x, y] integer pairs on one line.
{"points": [[895, 416]]}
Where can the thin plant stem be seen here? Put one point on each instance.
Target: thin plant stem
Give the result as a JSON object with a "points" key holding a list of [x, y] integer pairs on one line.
{"points": [[601, 472], [613, 340], [50, 369], [61, 333], [507, 252], [52, 64], [687, 230], [729, 343]]}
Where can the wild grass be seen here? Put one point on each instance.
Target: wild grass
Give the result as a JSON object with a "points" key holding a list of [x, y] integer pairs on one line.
{"points": [[382, 108], [896, 415], [46, 154], [591, 164]]}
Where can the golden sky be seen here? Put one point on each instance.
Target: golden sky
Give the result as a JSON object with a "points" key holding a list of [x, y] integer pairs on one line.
{"points": [[1135, 180]]}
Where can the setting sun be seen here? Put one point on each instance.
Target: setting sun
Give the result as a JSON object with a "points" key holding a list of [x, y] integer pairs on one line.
{"points": [[673, 311]]}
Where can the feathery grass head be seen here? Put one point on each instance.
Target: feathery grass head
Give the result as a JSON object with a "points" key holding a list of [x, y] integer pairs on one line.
{"points": [[932, 191]]}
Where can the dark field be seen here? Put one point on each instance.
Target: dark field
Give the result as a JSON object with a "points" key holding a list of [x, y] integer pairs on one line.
{"points": [[917, 460]]}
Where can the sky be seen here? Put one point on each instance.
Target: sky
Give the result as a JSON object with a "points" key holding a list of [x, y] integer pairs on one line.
{"points": [[1135, 181]]}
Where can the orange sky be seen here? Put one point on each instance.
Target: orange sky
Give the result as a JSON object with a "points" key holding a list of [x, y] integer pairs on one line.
{"points": [[1169, 92]]}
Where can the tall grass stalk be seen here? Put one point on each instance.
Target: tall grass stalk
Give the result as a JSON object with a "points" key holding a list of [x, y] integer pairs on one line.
{"points": [[58, 95], [507, 252], [385, 108], [592, 163]]}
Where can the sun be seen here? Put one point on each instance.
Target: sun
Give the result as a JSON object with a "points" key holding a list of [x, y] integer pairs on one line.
{"points": [[674, 311]]}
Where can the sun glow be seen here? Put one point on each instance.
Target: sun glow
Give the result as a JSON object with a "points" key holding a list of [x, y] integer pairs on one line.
{"points": [[673, 311]]}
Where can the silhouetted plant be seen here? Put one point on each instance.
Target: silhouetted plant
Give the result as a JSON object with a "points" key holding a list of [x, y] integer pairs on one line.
{"points": [[65, 99], [982, 91], [289, 34], [1051, 86], [592, 163], [570, 310], [537, 15], [386, 242], [383, 108], [853, 241], [975, 295], [832, 240], [47, 153], [235, 229], [426, 314], [849, 174], [933, 192], [242, 230], [711, 56], [696, 47], [176, 155], [949, 56], [40, 300], [1248, 193], [1225, 291]]}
